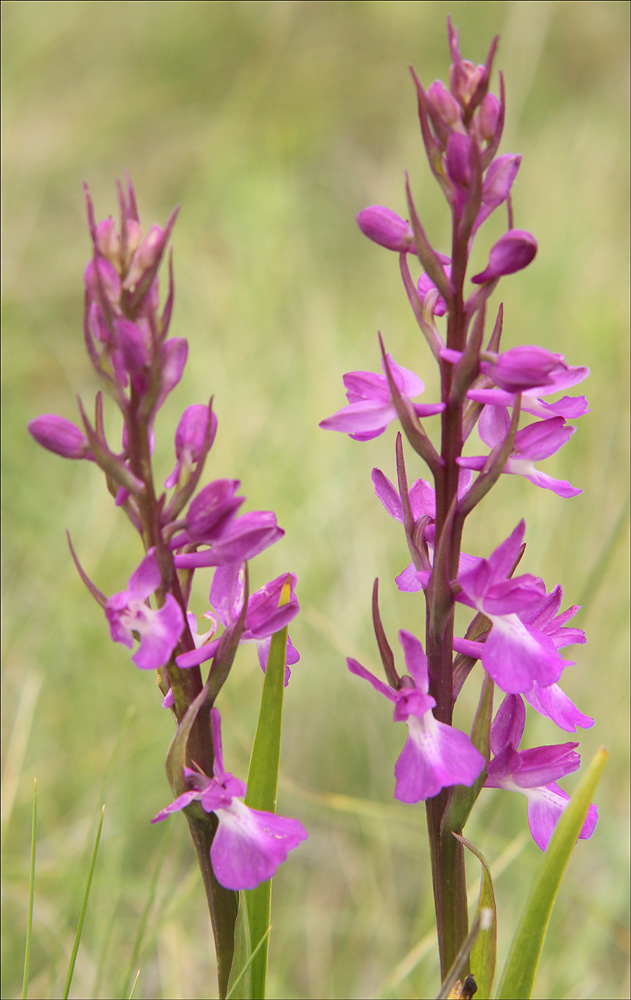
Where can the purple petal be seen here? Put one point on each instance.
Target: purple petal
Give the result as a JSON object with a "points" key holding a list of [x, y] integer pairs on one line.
{"points": [[357, 669], [516, 657], [542, 438], [559, 486], [250, 845], [524, 367], [508, 724], [215, 721], [493, 425], [226, 592], [244, 538], [264, 615], [410, 580], [181, 802], [363, 386], [147, 578], [415, 660], [292, 655], [554, 704], [212, 510], [161, 635], [545, 805], [542, 765], [435, 756], [367, 419]]}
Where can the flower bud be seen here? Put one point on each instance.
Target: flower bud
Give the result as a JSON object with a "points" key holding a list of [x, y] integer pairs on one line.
{"points": [[107, 239], [499, 179], [512, 252], [145, 256], [458, 159], [464, 80], [133, 231], [133, 342], [487, 117], [443, 103], [190, 438], [60, 436], [386, 228]]}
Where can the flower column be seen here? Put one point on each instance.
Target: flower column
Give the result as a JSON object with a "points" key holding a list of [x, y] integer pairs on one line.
{"points": [[512, 632]]}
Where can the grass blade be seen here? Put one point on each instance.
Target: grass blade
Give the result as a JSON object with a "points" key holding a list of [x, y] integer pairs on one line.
{"points": [[133, 989], [261, 794], [31, 894], [84, 908], [142, 926], [521, 965]]}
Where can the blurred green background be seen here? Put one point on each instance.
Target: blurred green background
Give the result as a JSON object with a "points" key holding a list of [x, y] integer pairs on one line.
{"points": [[272, 124]]}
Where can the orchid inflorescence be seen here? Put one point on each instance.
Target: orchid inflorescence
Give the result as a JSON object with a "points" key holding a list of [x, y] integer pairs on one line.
{"points": [[518, 627], [184, 527]]}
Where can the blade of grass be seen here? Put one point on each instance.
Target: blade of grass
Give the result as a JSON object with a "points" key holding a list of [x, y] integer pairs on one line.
{"points": [[142, 926], [231, 992], [84, 908], [521, 965], [133, 989], [261, 793], [31, 893]]}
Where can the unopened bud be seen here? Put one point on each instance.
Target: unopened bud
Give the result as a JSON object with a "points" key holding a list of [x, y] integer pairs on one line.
{"points": [[487, 117], [512, 252], [60, 436], [443, 103], [386, 228]]}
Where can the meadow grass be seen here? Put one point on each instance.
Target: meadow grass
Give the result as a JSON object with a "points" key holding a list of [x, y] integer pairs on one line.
{"points": [[272, 124]]}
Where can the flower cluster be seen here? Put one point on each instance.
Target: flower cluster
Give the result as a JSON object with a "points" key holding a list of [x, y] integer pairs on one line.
{"points": [[183, 527], [518, 628]]}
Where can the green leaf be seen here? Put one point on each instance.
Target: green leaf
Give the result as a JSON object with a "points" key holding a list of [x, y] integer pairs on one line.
{"points": [[521, 965], [240, 981], [31, 892], [84, 907], [483, 921], [484, 949], [261, 794], [240, 986]]}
